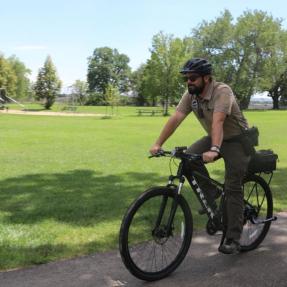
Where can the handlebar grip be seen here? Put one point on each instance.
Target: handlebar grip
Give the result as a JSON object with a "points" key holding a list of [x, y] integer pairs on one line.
{"points": [[158, 154], [177, 154]]}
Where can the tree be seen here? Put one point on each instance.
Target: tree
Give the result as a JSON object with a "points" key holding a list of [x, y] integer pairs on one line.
{"points": [[112, 96], [108, 66], [22, 81], [275, 80], [161, 77], [263, 57], [8, 78], [243, 54], [48, 85], [215, 40], [137, 86], [79, 91], [149, 85], [278, 90]]}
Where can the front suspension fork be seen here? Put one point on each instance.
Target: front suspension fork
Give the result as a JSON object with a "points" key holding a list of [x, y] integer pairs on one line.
{"points": [[173, 206]]}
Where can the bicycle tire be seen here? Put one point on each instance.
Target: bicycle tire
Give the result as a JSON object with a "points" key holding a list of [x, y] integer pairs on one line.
{"points": [[137, 213], [256, 192]]}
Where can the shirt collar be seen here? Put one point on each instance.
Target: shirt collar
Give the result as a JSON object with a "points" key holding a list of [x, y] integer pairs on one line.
{"points": [[209, 91]]}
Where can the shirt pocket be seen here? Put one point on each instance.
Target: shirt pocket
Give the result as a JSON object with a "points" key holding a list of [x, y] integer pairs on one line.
{"points": [[210, 105]]}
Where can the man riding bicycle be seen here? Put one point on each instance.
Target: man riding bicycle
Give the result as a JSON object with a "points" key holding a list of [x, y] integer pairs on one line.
{"points": [[215, 106]]}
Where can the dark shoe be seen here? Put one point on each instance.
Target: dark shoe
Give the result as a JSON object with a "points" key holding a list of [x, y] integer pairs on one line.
{"points": [[230, 246]]}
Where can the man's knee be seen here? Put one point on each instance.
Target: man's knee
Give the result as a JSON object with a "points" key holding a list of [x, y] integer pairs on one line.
{"points": [[200, 146]]}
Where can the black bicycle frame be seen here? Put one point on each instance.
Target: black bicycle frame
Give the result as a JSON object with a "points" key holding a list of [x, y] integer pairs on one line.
{"points": [[195, 187]]}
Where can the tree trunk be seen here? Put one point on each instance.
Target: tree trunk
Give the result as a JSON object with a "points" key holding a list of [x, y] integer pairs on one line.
{"points": [[275, 99], [165, 108], [244, 103]]}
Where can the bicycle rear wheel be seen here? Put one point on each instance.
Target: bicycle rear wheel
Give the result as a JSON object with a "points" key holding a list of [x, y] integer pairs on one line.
{"points": [[258, 207], [147, 249]]}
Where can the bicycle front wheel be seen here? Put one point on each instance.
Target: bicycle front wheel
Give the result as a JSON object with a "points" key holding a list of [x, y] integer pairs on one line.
{"points": [[148, 249], [258, 207]]}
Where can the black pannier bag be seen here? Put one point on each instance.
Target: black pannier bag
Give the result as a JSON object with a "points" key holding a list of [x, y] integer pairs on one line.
{"points": [[252, 134], [249, 139], [262, 161]]}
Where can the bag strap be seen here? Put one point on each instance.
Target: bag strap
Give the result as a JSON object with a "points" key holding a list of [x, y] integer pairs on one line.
{"points": [[222, 85]]}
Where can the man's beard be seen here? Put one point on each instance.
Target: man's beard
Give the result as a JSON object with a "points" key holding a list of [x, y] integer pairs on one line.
{"points": [[195, 90]]}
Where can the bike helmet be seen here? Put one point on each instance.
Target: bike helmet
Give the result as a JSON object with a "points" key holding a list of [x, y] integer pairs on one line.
{"points": [[197, 65]]}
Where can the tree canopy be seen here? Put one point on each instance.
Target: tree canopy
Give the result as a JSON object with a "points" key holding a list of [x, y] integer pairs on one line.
{"points": [[48, 84], [79, 91], [14, 77], [23, 84], [108, 67], [161, 81], [248, 54]]}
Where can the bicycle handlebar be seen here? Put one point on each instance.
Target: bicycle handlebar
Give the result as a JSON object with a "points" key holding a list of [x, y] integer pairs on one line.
{"points": [[178, 152]]}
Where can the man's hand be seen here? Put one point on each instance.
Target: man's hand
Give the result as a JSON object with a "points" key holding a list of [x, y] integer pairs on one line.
{"points": [[209, 156], [155, 149]]}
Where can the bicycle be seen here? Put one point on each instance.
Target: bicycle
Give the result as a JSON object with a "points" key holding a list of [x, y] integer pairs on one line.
{"points": [[157, 228]]}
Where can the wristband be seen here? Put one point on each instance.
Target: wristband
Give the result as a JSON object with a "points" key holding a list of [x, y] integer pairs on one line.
{"points": [[215, 148]]}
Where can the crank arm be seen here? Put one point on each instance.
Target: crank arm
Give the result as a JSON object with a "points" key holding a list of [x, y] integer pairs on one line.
{"points": [[254, 221]]}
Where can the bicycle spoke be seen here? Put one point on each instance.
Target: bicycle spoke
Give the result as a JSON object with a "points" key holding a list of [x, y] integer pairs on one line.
{"points": [[148, 248], [157, 254], [257, 207]]}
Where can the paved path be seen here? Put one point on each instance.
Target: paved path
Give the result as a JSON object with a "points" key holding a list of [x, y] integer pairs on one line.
{"points": [[204, 266]]}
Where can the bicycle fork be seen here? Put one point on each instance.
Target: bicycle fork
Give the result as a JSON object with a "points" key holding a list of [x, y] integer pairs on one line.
{"points": [[168, 227]]}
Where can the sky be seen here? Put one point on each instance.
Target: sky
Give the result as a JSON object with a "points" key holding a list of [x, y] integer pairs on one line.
{"points": [[70, 30]]}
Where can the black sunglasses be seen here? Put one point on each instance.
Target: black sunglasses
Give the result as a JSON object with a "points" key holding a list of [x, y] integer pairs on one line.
{"points": [[191, 78]]}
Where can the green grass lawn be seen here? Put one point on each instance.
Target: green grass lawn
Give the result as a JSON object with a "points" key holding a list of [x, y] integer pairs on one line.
{"points": [[66, 182]]}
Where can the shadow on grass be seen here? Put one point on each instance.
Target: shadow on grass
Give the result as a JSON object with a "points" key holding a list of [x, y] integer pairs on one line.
{"points": [[79, 197], [84, 197]]}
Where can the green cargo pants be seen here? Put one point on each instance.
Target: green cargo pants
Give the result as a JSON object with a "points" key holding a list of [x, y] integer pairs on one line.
{"points": [[236, 163]]}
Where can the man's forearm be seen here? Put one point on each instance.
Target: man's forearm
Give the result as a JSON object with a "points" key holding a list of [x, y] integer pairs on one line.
{"points": [[169, 128], [217, 129], [167, 131], [217, 135]]}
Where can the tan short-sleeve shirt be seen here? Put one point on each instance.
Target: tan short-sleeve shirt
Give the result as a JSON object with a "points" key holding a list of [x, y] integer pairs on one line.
{"points": [[219, 98]]}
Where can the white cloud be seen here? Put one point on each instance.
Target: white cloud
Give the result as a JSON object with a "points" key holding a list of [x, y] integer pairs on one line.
{"points": [[30, 47]]}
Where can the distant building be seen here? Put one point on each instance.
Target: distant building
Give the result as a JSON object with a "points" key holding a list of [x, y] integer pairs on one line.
{"points": [[260, 101]]}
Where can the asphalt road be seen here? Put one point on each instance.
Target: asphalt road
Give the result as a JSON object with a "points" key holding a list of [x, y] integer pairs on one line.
{"points": [[204, 266]]}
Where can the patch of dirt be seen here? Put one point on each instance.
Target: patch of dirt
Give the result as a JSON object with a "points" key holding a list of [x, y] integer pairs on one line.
{"points": [[48, 113]]}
